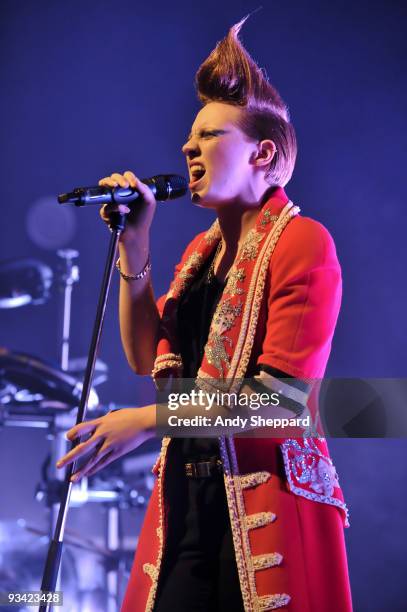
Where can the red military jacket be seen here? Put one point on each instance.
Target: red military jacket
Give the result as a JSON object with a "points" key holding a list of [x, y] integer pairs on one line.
{"points": [[279, 309]]}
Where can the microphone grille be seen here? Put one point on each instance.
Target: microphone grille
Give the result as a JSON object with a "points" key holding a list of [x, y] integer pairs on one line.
{"points": [[170, 186]]}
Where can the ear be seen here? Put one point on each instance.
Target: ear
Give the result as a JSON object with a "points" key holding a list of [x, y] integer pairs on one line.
{"points": [[266, 149]]}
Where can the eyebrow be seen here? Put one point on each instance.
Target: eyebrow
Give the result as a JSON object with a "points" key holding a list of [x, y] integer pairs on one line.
{"points": [[207, 129]]}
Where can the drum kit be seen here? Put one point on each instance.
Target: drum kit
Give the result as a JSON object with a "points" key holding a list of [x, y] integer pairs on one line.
{"points": [[36, 394]]}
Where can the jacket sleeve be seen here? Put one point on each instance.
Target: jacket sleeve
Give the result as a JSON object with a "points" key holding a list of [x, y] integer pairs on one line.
{"points": [[304, 296]]}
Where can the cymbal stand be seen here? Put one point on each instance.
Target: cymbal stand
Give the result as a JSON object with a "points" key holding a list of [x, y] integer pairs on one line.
{"points": [[69, 276]]}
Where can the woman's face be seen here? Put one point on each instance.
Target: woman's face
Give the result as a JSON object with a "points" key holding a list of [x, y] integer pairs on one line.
{"points": [[219, 156]]}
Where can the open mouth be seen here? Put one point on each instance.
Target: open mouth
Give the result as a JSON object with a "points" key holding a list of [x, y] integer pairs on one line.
{"points": [[196, 173]]}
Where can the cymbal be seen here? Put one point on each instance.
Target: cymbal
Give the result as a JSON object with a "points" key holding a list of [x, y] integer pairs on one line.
{"points": [[24, 281]]}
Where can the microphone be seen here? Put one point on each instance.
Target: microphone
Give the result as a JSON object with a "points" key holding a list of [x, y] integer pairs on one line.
{"points": [[163, 186]]}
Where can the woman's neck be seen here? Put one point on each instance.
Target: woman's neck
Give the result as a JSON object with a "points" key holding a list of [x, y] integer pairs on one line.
{"points": [[235, 223], [236, 219]]}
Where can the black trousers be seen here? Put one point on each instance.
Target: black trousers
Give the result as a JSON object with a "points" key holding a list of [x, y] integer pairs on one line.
{"points": [[199, 572]]}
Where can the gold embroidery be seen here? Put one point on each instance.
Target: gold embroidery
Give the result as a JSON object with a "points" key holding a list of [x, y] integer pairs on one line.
{"points": [[156, 465], [250, 246], [194, 261], [213, 232], [204, 382], [246, 586], [253, 479], [175, 287], [160, 530], [165, 356], [173, 363], [244, 532], [150, 570], [260, 519], [236, 275], [223, 320], [239, 521], [225, 316], [215, 352], [178, 286], [165, 361], [250, 315], [272, 602], [267, 218], [265, 561]]}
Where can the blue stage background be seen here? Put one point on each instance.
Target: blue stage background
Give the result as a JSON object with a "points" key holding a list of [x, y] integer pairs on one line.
{"points": [[89, 88]]}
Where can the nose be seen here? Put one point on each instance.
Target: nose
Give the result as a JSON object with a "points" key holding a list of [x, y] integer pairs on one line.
{"points": [[190, 148]]}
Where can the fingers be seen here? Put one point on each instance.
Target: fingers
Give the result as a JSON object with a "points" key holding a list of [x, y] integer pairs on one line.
{"points": [[126, 179], [109, 208], [98, 462], [114, 180], [82, 449], [104, 461], [82, 429], [98, 456], [131, 178], [141, 215]]}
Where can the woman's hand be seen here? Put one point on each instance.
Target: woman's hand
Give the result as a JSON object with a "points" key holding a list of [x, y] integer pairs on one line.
{"points": [[140, 215], [111, 436]]}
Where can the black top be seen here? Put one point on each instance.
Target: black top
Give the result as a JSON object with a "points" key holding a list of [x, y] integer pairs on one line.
{"points": [[195, 313]]}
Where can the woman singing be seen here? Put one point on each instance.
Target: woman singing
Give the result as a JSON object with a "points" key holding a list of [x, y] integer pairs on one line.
{"points": [[234, 523]]}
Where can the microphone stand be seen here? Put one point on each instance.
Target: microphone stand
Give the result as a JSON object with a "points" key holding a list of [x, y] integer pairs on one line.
{"points": [[53, 561]]}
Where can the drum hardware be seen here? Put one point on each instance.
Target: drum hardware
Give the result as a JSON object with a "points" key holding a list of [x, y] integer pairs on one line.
{"points": [[115, 495], [22, 556], [48, 415], [24, 281], [77, 367], [114, 560], [85, 562], [24, 402], [108, 489], [37, 377], [35, 394], [69, 275]]}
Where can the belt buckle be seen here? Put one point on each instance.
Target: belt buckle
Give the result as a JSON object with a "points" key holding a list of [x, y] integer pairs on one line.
{"points": [[202, 469], [190, 470]]}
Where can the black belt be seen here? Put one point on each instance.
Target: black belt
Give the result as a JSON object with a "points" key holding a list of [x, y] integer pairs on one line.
{"points": [[203, 469]]}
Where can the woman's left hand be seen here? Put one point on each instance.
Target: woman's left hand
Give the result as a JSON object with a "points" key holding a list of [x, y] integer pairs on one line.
{"points": [[112, 436]]}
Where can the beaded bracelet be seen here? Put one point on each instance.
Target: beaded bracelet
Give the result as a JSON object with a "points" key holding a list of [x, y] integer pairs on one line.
{"points": [[131, 277]]}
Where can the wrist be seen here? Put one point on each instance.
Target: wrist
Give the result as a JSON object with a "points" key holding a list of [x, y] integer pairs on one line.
{"points": [[148, 418], [130, 276], [134, 237]]}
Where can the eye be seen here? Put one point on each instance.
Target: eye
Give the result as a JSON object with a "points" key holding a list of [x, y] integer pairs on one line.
{"points": [[209, 133]]}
